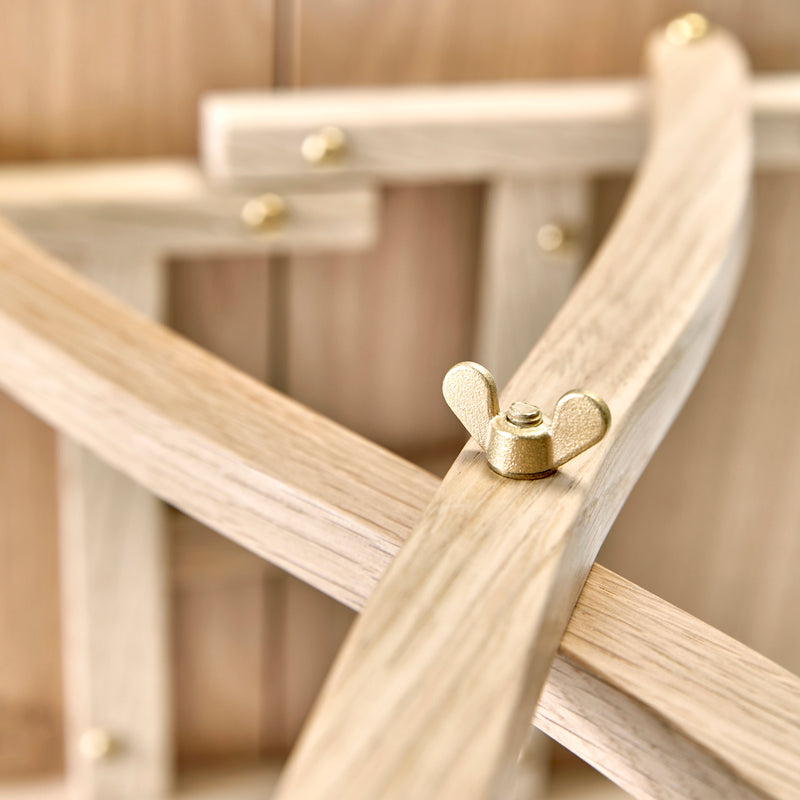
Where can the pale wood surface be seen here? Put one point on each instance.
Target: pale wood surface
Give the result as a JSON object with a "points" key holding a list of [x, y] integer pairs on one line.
{"points": [[257, 782], [357, 323], [389, 492], [475, 603], [169, 207], [723, 553], [115, 600], [456, 133], [700, 716], [522, 287]]}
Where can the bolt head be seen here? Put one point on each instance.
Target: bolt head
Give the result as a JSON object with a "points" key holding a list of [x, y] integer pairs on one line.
{"points": [[687, 28], [325, 145], [266, 212], [524, 415], [95, 744]]}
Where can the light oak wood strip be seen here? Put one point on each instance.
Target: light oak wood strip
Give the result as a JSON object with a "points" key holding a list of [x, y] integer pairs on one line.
{"points": [[139, 396], [722, 720], [522, 286], [168, 206], [115, 601], [463, 132], [476, 602], [563, 682]]}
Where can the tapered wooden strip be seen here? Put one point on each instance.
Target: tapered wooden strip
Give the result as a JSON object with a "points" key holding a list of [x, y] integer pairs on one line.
{"points": [[463, 132], [432, 692]]}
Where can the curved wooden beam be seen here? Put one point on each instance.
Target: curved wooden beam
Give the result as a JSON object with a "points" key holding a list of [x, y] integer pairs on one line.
{"points": [[437, 681]]}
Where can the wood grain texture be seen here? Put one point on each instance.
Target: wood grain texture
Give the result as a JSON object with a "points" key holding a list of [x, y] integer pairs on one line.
{"points": [[168, 207], [644, 639], [30, 636], [725, 555], [522, 287], [358, 323], [462, 133], [474, 605], [123, 79], [115, 600]]}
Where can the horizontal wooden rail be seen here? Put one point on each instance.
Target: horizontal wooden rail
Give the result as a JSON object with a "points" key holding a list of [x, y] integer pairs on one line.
{"points": [[431, 693], [167, 207], [236, 455], [464, 132]]}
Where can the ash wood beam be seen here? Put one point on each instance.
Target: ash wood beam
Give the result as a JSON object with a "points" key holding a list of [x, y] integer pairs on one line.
{"points": [[434, 687], [463, 132], [102, 387]]}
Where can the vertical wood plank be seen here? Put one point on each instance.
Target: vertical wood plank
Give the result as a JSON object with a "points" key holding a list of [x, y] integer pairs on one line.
{"points": [[523, 284], [114, 596], [30, 661], [229, 626], [121, 78]]}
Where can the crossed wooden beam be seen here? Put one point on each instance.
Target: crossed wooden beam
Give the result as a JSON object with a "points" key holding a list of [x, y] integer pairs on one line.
{"points": [[449, 661]]}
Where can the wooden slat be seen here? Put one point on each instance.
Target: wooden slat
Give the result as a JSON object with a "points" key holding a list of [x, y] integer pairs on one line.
{"points": [[168, 206], [115, 600], [466, 132], [477, 600]]}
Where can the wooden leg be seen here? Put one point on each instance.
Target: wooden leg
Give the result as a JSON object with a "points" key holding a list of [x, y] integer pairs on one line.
{"points": [[115, 601], [527, 271]]}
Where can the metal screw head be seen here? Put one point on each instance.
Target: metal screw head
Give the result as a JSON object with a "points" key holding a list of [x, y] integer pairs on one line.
{"points": [[524, 414], [264, 213], [325, 145], [557, 239], [95, 744], [687, 28]]}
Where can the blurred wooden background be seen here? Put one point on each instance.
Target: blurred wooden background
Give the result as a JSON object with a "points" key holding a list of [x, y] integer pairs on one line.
{"points": [[714, 525]]}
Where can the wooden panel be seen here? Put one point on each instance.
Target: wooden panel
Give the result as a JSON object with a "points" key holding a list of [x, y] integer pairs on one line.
{"points": [[351, 506], [226, 628], [713, 524], [371, 336], [122, 78], [30, 661]]}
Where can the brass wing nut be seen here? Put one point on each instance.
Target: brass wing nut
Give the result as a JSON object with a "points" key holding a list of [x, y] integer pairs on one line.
{"points": [[522, 442]]}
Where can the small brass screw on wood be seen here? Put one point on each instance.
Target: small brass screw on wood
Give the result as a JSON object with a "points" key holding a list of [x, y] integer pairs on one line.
{"points": [[324, 146], [557, 238], [264, 213], [95, 744], [686, 29]]}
